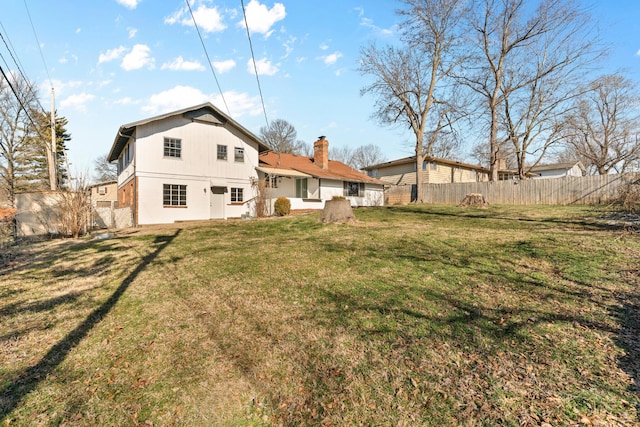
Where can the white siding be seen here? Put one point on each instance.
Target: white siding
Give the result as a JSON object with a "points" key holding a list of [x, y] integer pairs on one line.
{"points": [[197, 168]]}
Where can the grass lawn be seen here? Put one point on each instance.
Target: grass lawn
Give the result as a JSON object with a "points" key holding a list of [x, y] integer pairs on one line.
{"points": [[414, 315]]}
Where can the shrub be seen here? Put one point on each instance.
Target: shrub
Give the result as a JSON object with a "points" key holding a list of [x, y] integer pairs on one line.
{"points": [[282, 206], [629, 197]]}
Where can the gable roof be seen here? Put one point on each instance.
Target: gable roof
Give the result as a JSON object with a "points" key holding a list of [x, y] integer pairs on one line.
{"points": [[412, 159], [281, 163], [204, 113], [558, 166]]}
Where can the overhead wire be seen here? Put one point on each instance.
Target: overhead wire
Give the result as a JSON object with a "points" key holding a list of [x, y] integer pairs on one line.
{"points": [[19, 67], [207, 55], [38, 42], [15, 93], [253, 58]]}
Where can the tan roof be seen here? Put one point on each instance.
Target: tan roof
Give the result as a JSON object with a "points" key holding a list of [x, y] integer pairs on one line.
{"points": [[557, 166], [336, 170], [412, 159]]}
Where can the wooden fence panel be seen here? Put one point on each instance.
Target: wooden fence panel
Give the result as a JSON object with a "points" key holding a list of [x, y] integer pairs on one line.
{"points": [[592, 189]]}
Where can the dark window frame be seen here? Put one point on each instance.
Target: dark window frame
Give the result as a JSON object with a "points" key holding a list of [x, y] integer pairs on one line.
{"points": [[222, 152], [174, 195], [172, 147], [237, 195], [353, 189]]}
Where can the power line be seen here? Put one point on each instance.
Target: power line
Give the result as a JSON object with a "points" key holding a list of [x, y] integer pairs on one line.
{"points": [[38, 42], [19, 66], [207, 55], [253, 58], [17, 97]]}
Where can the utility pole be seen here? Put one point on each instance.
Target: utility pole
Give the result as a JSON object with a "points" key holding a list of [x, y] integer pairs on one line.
{"points": [[52, 148]]}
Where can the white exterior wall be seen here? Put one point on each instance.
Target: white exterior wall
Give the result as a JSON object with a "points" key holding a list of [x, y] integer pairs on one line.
{"points": [[557, 173], [197, 168], [320, 190]]}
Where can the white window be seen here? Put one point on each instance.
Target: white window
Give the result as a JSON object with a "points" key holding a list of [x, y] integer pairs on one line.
{"points": [[236, 195], [239, 154], [172, 147], [222, 152], [174, 195]]}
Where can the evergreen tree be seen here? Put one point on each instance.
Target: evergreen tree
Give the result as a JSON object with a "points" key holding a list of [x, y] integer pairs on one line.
{"points": [[35, 170]]}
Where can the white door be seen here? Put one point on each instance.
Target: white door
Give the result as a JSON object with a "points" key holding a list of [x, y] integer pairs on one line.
{"points": [[216, 202]]}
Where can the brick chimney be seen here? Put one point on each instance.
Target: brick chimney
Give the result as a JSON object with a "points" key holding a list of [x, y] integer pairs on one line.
{"points": [[321, 153]]}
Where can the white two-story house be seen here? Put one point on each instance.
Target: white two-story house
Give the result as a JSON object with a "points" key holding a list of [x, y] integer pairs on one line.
{"points": [[192, 164]]}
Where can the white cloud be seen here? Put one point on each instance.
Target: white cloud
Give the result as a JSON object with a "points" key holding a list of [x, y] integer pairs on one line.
{"points": [[638, 53], [178, 97], [126, 101], [132, 32], [174, 99], [264, 67], [138, 58], [180, 64], [368, 23], [78, 30], [324, 46], [111, 54], [77, 101], [60, 86], [129, 4], [62, 60], [331, 58], [288, 45], [239, 104], [208, 18], [260, 18], [224, 66]]}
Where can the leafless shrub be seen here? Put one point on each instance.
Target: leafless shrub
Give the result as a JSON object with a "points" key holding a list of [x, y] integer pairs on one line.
{"points": [[7, 233], [629, 197], [263, 194], [74, 209]]}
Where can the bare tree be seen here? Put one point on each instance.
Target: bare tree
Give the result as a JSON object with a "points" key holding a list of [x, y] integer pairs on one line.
{"points": [[367, 155], [604, 131], [410, 82], [17, 99], [281, 136], [521, 55], [342, 154], [104, 171]]}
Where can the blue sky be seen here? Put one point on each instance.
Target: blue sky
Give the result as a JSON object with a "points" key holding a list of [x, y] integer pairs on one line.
{"points": [[112, 62]]}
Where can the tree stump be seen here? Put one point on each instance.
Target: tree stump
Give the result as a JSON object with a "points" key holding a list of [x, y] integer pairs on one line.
{"points": [[337, 210], [474, 199]]}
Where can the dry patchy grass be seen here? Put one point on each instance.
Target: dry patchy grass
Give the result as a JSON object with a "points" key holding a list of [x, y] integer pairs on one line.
{"points": [[414, 315]]}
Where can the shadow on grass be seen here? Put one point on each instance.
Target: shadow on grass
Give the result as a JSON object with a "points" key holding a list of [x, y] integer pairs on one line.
{"points": [[629, 340], [29, 379], [482, 214]]}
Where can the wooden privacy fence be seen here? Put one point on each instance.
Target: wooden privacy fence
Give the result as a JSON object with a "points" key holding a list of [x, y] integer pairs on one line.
{"points": [[592, 189]]}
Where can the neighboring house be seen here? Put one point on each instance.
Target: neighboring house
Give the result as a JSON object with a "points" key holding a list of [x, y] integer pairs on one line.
{"points": [[104, 201], [192, 164], [309, 181], [556, 170], [434, 171], [103, 194]]}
